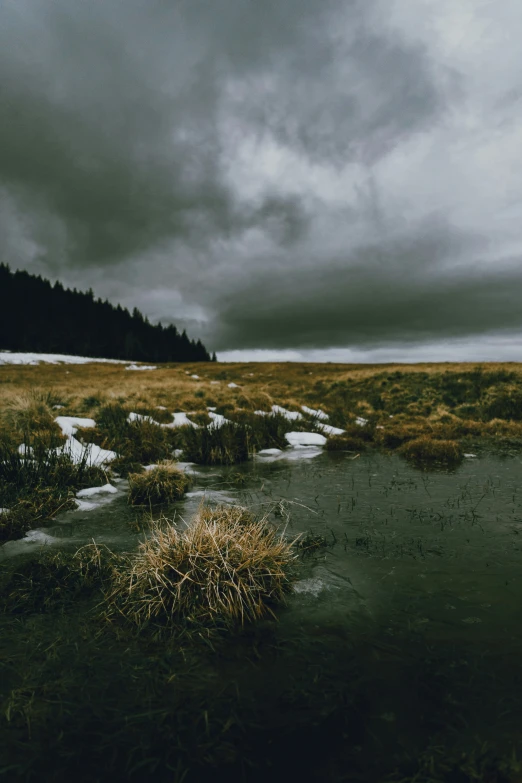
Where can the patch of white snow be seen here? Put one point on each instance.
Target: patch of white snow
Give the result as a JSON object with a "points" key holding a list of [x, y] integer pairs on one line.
{"points": [[69, 424], [180, 420], [107, 489], [9, 357], [305, 439]]}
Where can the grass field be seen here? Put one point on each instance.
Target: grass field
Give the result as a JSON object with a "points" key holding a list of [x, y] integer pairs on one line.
{"points": [[448, 400], [432, 413]]}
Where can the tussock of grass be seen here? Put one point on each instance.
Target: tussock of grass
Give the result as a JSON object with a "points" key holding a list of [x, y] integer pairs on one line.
{"points": [[162, 484], [30, 416], [226, 568], [427, 450], [396, 435]]}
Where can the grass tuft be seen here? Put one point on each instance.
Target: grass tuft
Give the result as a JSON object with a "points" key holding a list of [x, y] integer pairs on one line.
{"points": [[225, 568], [162, 484], [427, 450]]}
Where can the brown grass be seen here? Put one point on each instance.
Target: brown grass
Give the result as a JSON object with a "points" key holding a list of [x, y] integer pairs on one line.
{"points": [[426, 449], [225, 567], [423, 399], [162, 484], [345, 443], [169, 385]]}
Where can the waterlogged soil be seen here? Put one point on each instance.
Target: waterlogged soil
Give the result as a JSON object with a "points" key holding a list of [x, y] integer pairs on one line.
{"points": [[396, 657]]}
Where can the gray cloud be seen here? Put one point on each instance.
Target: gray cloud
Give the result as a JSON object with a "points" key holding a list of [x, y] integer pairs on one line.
{"points": [[266, 172], [414, 287]]}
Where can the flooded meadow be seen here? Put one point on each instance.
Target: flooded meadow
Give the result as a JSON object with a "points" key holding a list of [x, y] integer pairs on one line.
{"points": [[396, 657]]}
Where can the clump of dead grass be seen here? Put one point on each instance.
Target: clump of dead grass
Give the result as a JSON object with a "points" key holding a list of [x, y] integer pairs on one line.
{"points": [[164, 483], [31, 415], [225, 568], [429, 450]]}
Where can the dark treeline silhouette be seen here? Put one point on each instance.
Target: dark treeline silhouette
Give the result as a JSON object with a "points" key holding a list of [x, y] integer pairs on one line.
{"points": [[38, 316]]}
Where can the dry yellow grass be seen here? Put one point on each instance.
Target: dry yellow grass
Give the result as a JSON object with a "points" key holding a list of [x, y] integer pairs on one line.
{"points": [[427, 450], [224, 567], [171, 385], [162, 484]]}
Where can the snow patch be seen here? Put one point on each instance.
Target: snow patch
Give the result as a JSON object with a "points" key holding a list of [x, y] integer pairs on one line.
{"points": [[269, 452], [69, 424], [195, 376], [141, 367], [470, 456], [217, 420], [329, 430], [233, 386], [180, 420], [360, 421], [107, 489], [290, 415], [91, 453], [305, 439], [9, 357], [84, 505]]}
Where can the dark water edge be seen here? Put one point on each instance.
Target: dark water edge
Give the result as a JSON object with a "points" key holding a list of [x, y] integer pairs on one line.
{"points": [[399, 657]]}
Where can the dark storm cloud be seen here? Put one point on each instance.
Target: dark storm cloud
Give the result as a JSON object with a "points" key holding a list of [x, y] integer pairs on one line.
{"points": [[265, 171], [111, 142], [413, 289]]}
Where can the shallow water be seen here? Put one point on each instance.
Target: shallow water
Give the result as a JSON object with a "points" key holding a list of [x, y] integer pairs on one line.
{"points": [[402, 635]]}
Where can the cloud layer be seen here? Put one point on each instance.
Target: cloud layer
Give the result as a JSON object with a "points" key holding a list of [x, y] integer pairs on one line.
{"points": [[306, 175]]}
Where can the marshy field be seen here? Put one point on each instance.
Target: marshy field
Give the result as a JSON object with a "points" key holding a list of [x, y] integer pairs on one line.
{"points": [[257, 572]]}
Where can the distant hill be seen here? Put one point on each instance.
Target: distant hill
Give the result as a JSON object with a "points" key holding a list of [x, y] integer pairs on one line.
{"points": [[38, 316]]}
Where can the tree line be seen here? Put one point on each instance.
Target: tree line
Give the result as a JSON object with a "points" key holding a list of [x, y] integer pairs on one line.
{"points": [[36, 315]]}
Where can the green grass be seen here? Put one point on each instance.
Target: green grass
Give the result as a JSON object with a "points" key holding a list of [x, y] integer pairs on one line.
{"points": [[142, 442], [39, 584], [226, 445], [35, 487]]}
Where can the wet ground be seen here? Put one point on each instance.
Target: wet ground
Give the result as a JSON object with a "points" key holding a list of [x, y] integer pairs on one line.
{"points": [[397, 655]]}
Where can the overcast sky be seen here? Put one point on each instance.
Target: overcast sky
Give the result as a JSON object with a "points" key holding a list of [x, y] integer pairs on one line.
{"points": [[297, 179]]}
